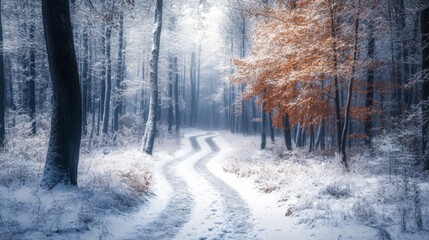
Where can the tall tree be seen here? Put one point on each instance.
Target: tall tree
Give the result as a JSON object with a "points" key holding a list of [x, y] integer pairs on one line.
{"points": [[347, 118], [85, 80], [425, 87], [31, 82], [171, 76], [308, 70], [119, 103], [2, 87], [66, 123], [369, 102], [150, 130], [108, 79], [176, 94]]}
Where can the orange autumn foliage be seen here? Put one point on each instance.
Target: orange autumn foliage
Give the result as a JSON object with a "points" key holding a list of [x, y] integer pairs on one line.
{"points": [[292, 66]]}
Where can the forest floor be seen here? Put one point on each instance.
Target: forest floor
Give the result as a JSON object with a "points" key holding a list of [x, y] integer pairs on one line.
{"points": [[214, 185]]}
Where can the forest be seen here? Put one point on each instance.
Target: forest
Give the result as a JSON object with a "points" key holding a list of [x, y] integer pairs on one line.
{"points": [[204, 119]]}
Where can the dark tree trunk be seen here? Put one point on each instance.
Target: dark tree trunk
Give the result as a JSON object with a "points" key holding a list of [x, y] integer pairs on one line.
{"points": [[338, 119], [85, 81], [150, 131], [264, 128], [312, 141], [254, 115], [10, 103], [347, 117], [107, 93], [66, 123], [102, 89], [118, 108], [244, 123], [32, 72], [425, 87], [2, 88], [170, 93], [193, 91], [369, 88], [176, 94], [272, 135], [287, 132], [198, 79]]}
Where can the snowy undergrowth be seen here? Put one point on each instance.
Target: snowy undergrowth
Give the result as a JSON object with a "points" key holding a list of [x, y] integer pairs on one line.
{"points": [[379, 191], [113, 180]]}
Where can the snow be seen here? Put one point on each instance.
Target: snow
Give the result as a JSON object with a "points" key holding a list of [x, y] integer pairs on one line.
{"points": [[269, 215], [210, 185], [325, 202]]}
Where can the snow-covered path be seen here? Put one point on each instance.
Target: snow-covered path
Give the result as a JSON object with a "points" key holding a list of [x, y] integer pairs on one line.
{"points": [[201, 205]]}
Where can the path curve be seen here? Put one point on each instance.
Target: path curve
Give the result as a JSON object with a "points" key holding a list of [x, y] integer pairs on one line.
{"points": [[237, 216], [179, 207]]}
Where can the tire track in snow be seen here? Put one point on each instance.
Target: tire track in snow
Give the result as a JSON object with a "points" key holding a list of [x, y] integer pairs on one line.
{"points": [[237, 215], [179, 207]]}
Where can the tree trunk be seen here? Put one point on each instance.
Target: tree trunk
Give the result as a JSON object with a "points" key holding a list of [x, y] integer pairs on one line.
{"points": [[2, 88], [369, 88], [425, 87], [272, 135], [31, 81], [150, 131], [347, 117], [108, 89], [66, 123], [198, 79], [170, 93], [85, 81], [287, 132], [254, 115], [118, 108], [176, 94], [193, 95], [312, 141], [338, 118], [102, 83], [263, 128]]}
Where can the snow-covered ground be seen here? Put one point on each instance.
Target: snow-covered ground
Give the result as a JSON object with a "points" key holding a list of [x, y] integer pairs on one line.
{"points": [[211, 185], [299, 195]]}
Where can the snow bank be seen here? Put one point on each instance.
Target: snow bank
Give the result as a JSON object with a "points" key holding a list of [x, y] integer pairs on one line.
{"points": [[113, 181], [307, 196]]}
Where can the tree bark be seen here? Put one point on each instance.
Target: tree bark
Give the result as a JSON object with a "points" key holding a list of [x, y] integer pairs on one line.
{"points": [[347, 117], [176, 94], [150, 131], [263, 128], [193, 91], [32, 72], [369, 87], [2, 88], [66, 123], [338, 118], [85, 81], [119, 76], [287, 133], [272, 134], [170, 93], [108, 90], [425, 86]]}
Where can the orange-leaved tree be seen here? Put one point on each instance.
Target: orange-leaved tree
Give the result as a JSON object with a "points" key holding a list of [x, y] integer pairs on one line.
{"points": [[302, 57]]}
